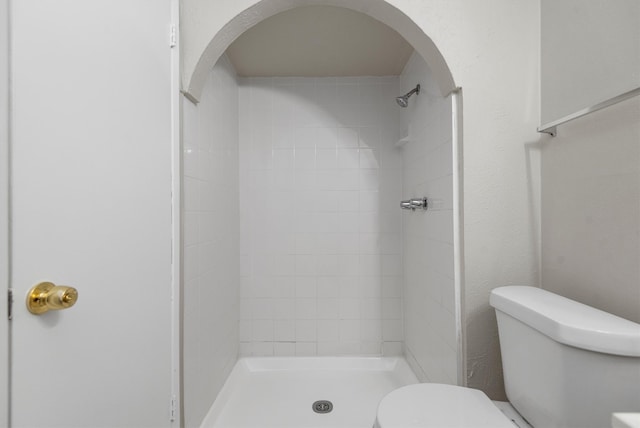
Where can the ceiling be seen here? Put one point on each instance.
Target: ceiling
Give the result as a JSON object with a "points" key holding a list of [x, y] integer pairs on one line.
{"points": [[316, 41]]}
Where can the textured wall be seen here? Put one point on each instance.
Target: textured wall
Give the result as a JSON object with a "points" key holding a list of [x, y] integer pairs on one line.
{"points": [[591, 210], [429, 315], [572, 77], [211, 241], [321, 228]]}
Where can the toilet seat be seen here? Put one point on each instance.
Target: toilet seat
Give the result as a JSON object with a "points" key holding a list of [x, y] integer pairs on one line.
{"points": [[438, 405]]}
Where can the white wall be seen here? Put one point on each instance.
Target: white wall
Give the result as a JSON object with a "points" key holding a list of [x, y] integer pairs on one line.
{"points": [[492, 51], [591, 210], [590, 52], [321, 227], [211, 241], [429, 314]]}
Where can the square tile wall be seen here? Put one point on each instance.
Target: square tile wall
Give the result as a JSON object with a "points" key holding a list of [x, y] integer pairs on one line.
{"points": [[211, 231], [321, 246], [429, 315]]}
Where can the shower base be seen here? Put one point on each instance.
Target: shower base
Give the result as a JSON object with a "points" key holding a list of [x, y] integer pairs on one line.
{"points": [[281, 392]]}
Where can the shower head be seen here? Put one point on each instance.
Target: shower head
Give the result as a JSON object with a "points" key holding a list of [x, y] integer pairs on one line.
{"points": [[403, 101]]}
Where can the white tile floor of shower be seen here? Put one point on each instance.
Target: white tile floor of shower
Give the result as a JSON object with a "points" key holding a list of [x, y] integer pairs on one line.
{"points": [[280, 392]]}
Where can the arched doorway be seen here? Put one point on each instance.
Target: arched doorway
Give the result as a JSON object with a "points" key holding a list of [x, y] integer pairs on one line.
{"points": [[206, 44]]}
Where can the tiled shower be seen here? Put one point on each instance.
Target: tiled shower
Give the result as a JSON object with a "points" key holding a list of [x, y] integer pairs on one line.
{"points": [[295, 243], [321, 246]]}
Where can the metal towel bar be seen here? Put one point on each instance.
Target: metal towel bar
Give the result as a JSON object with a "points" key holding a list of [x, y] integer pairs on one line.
{"points": [[550, 128]]}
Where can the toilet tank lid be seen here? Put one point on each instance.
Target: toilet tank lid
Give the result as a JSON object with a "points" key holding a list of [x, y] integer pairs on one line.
{"points": [[567, 321]]}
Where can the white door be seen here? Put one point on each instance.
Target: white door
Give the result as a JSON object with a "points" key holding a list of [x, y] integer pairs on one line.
{"points": [[91, 208], [4, 209]]}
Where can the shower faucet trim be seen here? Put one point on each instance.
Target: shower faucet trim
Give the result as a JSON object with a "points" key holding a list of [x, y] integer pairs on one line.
{"points": [[414, 204]]}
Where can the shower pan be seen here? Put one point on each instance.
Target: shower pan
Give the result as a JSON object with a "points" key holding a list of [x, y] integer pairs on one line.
{"points": [[298, 392]]}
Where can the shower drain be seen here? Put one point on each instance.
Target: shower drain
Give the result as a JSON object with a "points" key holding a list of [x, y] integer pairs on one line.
{"points": [[322, 406]]}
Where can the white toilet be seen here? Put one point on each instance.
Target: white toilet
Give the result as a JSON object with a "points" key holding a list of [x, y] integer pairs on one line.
{"points": [[565, 365]]}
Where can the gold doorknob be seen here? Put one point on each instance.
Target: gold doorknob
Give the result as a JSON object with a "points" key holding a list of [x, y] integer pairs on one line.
{"points": [[47, 296]]}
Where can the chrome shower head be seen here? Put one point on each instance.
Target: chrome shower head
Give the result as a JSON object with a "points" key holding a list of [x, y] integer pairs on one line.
{"points": [[403, 101]]}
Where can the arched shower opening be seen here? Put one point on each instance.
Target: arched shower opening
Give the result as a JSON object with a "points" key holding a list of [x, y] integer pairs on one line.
{"points": [[282, 281]]}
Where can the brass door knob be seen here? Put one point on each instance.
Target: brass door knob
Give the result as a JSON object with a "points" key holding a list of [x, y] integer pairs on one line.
{"points": [[47, 296]]}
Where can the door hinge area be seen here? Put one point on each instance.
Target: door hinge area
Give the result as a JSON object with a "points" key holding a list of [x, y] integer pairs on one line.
{"points": [[10, 304], [172, 409], [173, 36]]}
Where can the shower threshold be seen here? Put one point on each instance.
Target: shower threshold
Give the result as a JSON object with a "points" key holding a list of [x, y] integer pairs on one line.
{"points": [[285, 392]]}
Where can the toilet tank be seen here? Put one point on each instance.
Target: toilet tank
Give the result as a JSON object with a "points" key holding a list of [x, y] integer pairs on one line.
{"points": [[566, 364]]}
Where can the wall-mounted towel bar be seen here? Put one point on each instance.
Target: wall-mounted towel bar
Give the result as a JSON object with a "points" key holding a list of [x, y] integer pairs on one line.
{"points": [[550, 128], [414, 204]]}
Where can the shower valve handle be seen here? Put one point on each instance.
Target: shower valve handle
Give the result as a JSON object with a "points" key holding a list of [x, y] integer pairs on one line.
{"points": [[419, 203], [414, 204]]}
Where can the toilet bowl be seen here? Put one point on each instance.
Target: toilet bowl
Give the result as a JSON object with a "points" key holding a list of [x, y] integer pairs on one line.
{"points": [[565, 365]]}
